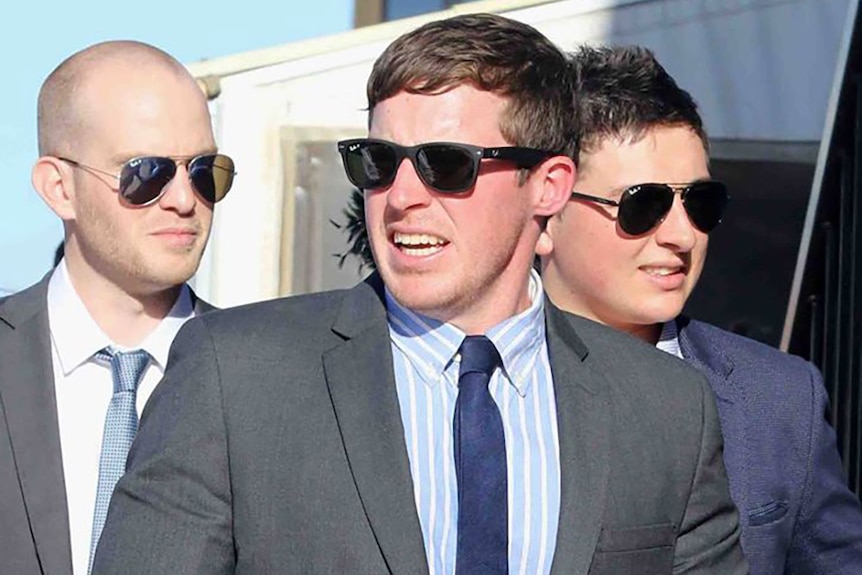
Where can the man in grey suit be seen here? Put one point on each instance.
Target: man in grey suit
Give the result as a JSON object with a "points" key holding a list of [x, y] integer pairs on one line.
{"points": [[129, 164], [440, 416]]}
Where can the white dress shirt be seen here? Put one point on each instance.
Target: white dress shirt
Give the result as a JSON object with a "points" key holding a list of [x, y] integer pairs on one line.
{"points": [[668, 341], [84, 388]]}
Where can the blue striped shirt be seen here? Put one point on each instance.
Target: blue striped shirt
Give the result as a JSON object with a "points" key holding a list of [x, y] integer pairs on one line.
{"points": [[426, 375]]}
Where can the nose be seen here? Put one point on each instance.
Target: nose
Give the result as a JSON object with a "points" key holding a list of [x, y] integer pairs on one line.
{"points": [[407, 191], [179, 195], [676, 230]]}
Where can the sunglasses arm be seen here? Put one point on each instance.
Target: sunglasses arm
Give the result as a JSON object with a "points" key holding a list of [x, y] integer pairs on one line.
{"points": [[596, 199]]}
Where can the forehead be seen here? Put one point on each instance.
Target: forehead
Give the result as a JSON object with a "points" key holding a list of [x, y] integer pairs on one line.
{"points": [[672, 154], [461, 114], [148, 109]]}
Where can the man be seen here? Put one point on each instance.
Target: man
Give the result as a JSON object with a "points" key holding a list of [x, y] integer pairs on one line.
{"points": [[633, 266], [356, 431], [129, 164]]}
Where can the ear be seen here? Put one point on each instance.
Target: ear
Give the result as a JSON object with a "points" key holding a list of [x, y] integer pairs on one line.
{"points": [[555, 183], [52, 180], [545, 245]]}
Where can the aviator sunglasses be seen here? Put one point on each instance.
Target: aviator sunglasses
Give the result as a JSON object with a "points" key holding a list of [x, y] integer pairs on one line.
{"points": [[644, 206], [445, 167], [143, 180]]}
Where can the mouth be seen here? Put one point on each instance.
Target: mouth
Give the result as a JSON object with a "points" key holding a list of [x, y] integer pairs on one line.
{"points": [[418, 245], [175, 232], [177, 237], [663, 271]]}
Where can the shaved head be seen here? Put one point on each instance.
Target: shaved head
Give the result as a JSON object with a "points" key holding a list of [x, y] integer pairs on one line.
{"points": [[63, 111], [98, 110]]}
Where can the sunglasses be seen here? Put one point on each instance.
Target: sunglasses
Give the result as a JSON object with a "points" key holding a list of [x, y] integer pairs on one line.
{"points": [[644, 206], [143, 180], [445, 167]]}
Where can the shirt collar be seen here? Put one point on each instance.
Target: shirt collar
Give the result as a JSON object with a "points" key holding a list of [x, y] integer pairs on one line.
{"points": [[431, 346], [77, 336], [668, 341]]}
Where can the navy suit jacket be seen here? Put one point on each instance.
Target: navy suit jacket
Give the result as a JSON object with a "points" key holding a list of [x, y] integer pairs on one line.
{"points": [[797, 514]]}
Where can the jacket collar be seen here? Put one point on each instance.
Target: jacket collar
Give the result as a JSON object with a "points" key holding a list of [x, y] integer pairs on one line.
{"points": [[700, 349]]}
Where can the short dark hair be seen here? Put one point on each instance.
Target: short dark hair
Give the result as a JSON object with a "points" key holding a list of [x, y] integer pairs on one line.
{"points": [[623, 91], [493, 54]]}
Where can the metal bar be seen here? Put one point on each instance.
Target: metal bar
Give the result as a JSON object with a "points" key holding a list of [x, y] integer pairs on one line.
{"points": [[845, 250], [854, 287]]}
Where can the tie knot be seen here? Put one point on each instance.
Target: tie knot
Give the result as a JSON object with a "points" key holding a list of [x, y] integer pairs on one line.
{"points": [[478, 354], [127, 367]]}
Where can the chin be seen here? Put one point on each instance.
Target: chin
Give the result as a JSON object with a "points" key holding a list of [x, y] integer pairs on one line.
{"points": [[426, 298], [661, 316]]}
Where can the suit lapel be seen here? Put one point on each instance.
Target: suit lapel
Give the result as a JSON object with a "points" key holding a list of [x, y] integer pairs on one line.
{"points": [[699, 350], [583, 416], [29, 406], [710, 359], [362, 387]]}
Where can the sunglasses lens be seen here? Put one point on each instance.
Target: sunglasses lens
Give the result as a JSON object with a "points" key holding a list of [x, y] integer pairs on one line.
{"points": [[142, 179], [705, 203], [642, 207], [212, 176], [447, 168], [370, 165]]}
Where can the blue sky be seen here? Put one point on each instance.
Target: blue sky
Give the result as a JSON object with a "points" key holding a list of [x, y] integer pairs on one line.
{"points": [[36, 36]]}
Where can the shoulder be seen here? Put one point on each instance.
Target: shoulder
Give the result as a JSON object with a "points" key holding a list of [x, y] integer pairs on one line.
{"points": [[18, 307], [637, 373], [746, 357], [618, 349], [300, 314]]}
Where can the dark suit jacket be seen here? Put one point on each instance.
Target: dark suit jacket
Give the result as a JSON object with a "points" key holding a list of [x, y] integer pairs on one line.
{"points": [[274, 444], [34, 521], [797, 514]]}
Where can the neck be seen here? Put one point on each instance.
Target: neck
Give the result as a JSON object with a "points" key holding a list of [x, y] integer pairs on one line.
{"points": [[500, 304], [127, 319], [648, 333]]}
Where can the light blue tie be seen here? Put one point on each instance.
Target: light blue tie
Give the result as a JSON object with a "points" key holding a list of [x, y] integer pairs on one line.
{"points": [[121, 424]]}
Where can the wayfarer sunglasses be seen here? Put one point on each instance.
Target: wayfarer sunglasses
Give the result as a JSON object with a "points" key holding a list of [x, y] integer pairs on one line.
{"points": [[446, 167], [143, 180], [644, 206]]}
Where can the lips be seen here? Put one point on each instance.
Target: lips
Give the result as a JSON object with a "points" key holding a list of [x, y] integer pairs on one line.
{"points": [[418, 244], [663, 271], [178, 232], [177, 238]]}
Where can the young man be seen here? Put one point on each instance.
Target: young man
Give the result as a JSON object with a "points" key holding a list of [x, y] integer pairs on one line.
{"points": [[129, 164], [356, 431], [628, 250]]}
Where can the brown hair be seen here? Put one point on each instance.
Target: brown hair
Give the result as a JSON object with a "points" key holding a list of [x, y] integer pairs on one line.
{"points": [[623, 91], [493, 54]]}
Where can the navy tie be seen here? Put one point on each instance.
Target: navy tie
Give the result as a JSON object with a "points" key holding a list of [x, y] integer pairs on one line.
{"points": [[121, 424], [480, 465]]}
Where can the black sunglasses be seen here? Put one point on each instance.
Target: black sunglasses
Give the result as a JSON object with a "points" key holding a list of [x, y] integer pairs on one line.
{"points": [[446, 167], [143, 180], [644, 206]]}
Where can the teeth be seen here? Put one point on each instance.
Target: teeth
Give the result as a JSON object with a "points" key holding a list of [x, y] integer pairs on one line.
{"points": [[418, 245], [660, 271], [417, 240], [421, 252]]}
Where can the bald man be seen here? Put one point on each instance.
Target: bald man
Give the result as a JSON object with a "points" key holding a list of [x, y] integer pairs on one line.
{"points": [[128, 162]]}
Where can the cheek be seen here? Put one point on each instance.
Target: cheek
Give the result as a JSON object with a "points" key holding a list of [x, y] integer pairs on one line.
{"points": [[375, 205], [698, 256]]}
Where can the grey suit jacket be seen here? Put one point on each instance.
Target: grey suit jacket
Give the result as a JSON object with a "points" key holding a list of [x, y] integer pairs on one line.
{"points": [[275, 445], [34, 521]]}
